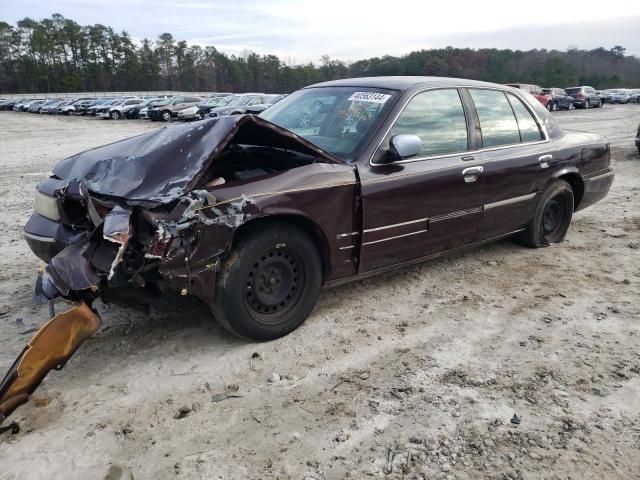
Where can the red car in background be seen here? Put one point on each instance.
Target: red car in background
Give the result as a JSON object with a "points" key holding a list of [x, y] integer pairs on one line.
{"points": [[536, 91]]}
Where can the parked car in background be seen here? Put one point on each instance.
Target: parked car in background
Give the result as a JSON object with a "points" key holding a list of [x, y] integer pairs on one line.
{"points": [[117, 110], [80, 107], [621, 95], [34, 107], [61, 106], [634, 97], [536, 91], [133, 111], [561, 100], [9, 103], [238, 104], [24, 105], [213, 102], [143, 110], [188, 114], [70, 107], [604, 95], [584, 97], [50, 108], [261, 107], [43, 108], [167, 111], [91, 110]]}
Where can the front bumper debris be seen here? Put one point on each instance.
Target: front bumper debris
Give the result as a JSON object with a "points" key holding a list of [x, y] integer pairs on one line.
{"points": [[49, 349]]}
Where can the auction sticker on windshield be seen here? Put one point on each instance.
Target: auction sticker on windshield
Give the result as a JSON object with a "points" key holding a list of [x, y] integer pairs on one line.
{"points": [[371, 97]]}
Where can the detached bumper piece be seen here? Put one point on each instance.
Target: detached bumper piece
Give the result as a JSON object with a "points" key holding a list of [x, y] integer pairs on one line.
{"points": [[49, 349]]}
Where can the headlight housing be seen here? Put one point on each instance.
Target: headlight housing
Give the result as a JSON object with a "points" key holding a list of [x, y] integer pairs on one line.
{"points": [[47, 206]]}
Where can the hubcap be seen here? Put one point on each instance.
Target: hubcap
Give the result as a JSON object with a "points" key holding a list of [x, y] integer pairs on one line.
{"points": [[273, 284]]}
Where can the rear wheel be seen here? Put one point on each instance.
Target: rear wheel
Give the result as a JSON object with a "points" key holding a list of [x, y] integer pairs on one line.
{"points": [[269, 284], [551, 106], [587, 104], [551, 217]]}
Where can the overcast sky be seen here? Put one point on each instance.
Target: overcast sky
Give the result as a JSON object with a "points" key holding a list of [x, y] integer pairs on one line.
{"points": [[302, 30]]}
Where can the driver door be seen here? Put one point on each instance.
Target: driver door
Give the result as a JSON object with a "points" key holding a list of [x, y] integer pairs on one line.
{"points": [[417, 207]]}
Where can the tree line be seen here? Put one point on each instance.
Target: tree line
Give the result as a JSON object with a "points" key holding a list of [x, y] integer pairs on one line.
{"points": [[59, 55]]}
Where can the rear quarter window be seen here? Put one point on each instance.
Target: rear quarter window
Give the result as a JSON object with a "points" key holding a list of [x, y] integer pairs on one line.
{"points": [[529, 128]]}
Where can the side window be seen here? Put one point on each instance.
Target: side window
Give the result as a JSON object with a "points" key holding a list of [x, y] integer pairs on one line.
{"points": [[497, 121], [437, 117], [529, 129]]}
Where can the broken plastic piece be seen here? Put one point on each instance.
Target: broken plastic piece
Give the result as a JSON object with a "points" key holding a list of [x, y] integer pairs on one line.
{"points": [[117, 229], [50, 348], [70, 270]]}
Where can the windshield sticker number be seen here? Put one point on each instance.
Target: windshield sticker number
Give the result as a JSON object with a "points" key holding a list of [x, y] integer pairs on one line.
{"points": [[370, 97]]}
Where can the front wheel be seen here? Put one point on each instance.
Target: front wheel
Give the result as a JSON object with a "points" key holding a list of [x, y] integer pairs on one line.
{"points": [[551, 217], [166, 116], [269, 284], [115, 115]]}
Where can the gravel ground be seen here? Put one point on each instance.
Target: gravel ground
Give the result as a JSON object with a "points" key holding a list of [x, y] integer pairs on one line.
{"points": [[502, 362]]}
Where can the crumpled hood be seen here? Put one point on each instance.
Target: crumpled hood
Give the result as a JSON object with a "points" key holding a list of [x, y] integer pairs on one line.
{"points": [[165, 164]]}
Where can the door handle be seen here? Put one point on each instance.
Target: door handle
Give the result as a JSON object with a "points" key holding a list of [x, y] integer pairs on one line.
{"points": [[544, 160], [471, 174]]}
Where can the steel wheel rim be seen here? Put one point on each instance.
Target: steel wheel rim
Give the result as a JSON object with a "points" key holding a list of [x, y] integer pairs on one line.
{"points": [[274, 284], [554, 219]]}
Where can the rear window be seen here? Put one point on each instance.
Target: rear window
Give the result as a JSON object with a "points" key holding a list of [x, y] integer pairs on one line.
{"points": [[571, 91]]}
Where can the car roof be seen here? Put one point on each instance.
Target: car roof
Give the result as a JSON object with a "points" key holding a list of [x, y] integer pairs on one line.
{"points": [[404, 82]]}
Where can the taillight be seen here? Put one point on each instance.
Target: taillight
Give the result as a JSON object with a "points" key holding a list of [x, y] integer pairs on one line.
{"points": [[580, 95]]}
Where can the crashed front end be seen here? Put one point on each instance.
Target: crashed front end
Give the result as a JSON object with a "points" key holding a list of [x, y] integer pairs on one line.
{"points": [[128, 221], [99, 247]]}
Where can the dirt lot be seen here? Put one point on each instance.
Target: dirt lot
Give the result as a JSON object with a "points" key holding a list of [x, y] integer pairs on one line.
{"points": [[411, 375]]}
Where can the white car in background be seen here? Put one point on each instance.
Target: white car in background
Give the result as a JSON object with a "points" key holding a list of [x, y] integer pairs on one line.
{"points": [[119, 109], [190, 113]]}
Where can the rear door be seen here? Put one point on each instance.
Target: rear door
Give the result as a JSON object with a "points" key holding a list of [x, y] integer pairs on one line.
{"points": [[420, 206], [515, 154]]}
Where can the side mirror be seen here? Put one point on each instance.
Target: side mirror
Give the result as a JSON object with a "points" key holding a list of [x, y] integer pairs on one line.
{"points": [[402, 147]]}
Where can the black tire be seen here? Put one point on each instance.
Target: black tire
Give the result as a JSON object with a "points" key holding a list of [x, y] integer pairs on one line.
{"points": [[551, 216], [166, 116], [115, 115], [269, 284], [587, 104], [599, 104]]}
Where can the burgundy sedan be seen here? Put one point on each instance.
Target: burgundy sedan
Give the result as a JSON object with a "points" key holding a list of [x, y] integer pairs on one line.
{"points": [[335, 182]]}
